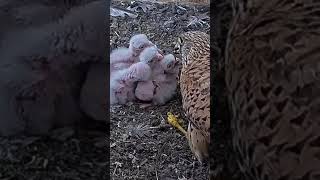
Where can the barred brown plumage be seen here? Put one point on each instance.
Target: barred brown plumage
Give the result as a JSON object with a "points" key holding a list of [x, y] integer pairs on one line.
{"points": [[194, 48], [272, 74]]}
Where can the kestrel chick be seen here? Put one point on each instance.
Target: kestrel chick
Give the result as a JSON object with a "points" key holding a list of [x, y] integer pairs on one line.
{"points": [[145, 90], [166, 81], [138, 43], [122, 82], [122, 58], [163, 83], [150, 55]]}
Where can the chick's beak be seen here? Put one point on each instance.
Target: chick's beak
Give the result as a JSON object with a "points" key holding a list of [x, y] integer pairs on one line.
{"points": [[159, 56]]}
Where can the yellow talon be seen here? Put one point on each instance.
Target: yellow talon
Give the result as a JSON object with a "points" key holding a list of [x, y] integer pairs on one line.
{"points": [[173, 120]]}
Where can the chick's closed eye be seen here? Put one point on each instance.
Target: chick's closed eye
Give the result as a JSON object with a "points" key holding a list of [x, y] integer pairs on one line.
{"points": [[141, 46]]}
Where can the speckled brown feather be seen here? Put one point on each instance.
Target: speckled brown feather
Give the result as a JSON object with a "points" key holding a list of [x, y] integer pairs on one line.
{"points": [[195, 89], [273, 75]]}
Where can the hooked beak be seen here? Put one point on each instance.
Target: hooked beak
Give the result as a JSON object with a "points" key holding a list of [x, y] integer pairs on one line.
{"points": [[159, 56], [176, 49]]}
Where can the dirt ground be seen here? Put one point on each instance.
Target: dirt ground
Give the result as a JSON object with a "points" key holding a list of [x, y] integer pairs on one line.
{"points": [[64, 154], [143, 145]]}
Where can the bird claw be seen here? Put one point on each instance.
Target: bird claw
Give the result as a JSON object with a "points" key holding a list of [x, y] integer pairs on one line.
{"points": [[132, 78], [173, 120]]}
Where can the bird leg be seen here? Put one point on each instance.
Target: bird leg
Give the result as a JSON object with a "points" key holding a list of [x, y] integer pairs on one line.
{"points": [[173, 120]]}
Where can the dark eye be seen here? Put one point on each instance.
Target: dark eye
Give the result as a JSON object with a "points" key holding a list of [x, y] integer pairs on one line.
{"points": [[141, 47]]}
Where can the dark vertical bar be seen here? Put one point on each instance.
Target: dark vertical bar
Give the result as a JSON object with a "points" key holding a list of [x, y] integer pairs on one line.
{"points": [[107, 57], [46, 57], [214, 110], [211, 86], [220, 146]]}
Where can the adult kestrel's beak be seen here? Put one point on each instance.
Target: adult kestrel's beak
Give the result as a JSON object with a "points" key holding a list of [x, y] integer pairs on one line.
{"points": [[176, 49]]}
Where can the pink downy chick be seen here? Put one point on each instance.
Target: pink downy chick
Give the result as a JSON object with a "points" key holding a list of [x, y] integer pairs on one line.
{"points": [[166, 83], [150, 55], [122, 58], [145, 90], [138, 43], [170, 64], [122, 83]]}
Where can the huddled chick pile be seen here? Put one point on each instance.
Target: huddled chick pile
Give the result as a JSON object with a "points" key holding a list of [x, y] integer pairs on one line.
{"points": [[142, 72]]}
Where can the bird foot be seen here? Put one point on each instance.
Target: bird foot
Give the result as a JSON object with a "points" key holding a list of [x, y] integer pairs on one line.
{"points": [[173, 120]]}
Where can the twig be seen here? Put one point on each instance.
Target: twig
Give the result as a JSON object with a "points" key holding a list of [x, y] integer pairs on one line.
{"points": [[160, 126], [115, 169], [157, 175], [117, 33]]}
